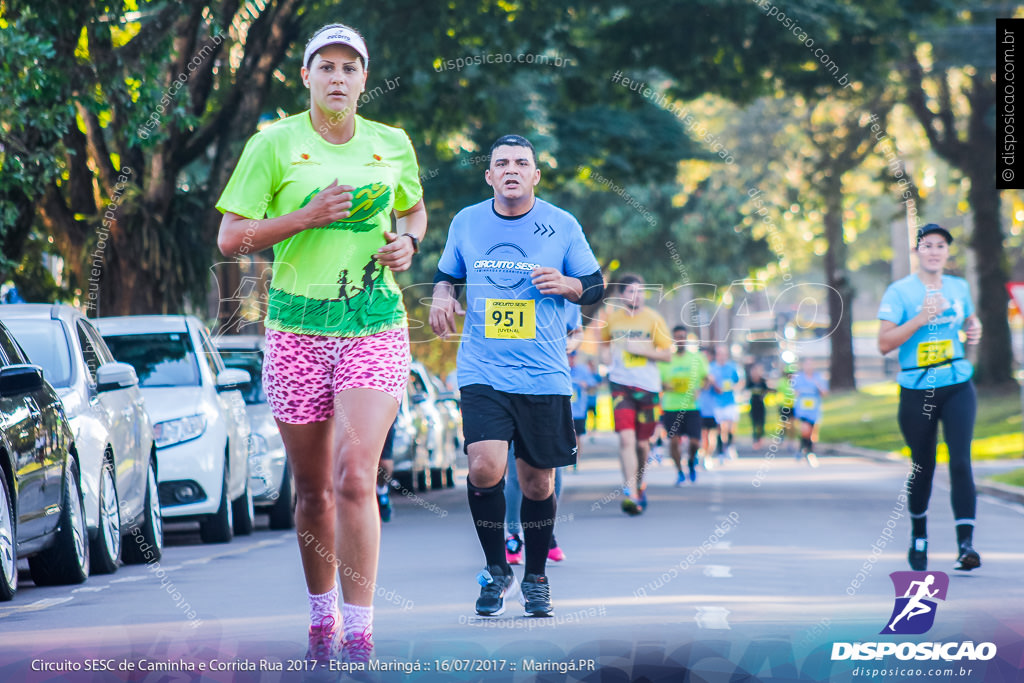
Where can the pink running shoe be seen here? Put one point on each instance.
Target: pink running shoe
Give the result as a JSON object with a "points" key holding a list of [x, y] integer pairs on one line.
{"points": [[555, 554], [514, 549], [324, 643], [359, 648]]}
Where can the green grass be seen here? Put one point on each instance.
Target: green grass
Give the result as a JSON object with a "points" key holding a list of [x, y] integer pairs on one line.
{"points": [[867, 418], [1014, 477]]}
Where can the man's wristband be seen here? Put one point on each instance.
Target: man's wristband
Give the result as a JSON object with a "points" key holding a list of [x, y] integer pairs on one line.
{"points": [[415, 241]]}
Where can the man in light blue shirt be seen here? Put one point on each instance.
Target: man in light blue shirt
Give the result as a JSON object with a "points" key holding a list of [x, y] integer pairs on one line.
{"points": [[520, 259]]}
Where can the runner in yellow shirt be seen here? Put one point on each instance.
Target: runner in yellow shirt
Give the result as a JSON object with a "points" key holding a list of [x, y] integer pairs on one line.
{"points": [[637, 339]]}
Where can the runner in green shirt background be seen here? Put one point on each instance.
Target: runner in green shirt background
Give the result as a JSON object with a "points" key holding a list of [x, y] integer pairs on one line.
{"points": [[682, 378]]}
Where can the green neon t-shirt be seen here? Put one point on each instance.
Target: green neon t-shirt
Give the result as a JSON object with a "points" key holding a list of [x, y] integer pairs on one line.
{"points": [[785, 391], [681, 380], [325, 280]]}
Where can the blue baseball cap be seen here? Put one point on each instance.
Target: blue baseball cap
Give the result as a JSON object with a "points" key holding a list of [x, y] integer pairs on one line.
{"points": [[933, 228]]}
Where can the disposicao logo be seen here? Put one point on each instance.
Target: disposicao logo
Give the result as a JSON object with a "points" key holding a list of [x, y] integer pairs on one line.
{"points": [[913, 613], [916, 595]]}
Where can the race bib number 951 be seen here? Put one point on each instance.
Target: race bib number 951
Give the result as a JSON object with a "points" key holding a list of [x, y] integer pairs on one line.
{"points": [[510, 319]]}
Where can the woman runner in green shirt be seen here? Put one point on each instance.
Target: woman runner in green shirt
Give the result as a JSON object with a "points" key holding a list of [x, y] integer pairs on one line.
{"points": [[320, 188]]}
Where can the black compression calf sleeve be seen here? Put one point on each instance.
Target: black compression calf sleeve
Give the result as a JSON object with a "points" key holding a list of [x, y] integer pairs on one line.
{"points": [[488, 509], [919, 526], [538, 520]]}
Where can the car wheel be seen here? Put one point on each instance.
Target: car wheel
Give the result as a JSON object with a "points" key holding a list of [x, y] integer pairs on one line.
{"points": [[421, 481], [67, 560], [436, 478], [449, 477], [219, 527], [8, 553], [282, 515], [147, 542], [105, 549], [243, 512]]}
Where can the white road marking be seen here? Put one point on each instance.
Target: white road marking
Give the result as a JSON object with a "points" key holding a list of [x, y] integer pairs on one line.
{"points": [[130, 579], [712, 617], [34, 606], [718, 571], [91, 589]]}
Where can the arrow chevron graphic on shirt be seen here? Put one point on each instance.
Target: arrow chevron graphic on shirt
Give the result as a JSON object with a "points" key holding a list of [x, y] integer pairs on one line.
{"points": [[544, 230]]}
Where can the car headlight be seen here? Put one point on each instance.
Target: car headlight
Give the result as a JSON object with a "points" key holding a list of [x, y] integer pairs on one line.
{"points": [[171, 432], [257, 445]]}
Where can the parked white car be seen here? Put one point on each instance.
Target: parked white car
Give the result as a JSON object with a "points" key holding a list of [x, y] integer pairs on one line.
{"points": [[199, 419], [270, 478], [444, 430], [112, 431]]}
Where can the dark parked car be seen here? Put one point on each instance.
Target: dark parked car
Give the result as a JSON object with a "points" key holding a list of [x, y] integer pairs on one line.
{"points": [[42, 509]]}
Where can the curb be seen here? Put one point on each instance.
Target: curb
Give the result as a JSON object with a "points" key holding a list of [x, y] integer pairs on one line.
{"points": [[849, 450], [1013, 494]]}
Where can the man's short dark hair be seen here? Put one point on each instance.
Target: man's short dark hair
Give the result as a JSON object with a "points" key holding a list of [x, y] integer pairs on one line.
{"points": [[514, 141], [627, 279], [679, 328]]}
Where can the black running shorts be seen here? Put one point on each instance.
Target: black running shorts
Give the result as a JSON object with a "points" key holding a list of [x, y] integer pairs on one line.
{"points": [[682, 423], [540, 426]]}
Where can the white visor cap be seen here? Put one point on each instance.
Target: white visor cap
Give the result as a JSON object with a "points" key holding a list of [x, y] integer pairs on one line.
{"points": [[336, 35]]}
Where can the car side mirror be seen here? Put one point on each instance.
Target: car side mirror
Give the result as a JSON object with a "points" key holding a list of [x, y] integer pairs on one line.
{"points": [[16, 380], [232, 379], [419, 398], [113, 376], [448, 396]]}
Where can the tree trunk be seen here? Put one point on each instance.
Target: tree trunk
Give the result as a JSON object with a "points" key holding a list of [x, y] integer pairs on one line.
{"points": [[841, 361], [993, 365]]}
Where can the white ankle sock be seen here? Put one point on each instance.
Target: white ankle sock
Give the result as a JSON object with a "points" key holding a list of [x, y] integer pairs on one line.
{"points": [[357, 619], [323, 605]]}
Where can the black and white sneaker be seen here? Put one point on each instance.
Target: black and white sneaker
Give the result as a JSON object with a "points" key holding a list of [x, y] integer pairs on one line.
{"points": [[969, 558], [537, 596], [917, 556], [495, 586]]}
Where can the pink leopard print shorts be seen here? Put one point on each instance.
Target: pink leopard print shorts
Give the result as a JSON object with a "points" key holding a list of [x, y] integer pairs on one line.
{"points": [[303, 372]]}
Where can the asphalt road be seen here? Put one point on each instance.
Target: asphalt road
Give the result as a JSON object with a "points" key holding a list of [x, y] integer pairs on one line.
{"points": [[752, 571]]}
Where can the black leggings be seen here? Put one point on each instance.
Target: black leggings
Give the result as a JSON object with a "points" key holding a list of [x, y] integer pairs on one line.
{"points": [[920, 412]]}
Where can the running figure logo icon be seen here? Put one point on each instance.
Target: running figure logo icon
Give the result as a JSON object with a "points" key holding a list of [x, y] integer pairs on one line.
{"points": [[916, 593]]}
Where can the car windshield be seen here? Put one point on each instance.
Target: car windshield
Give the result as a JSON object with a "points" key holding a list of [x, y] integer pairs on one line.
{"points": [[47, 346], [160, 359], [251, 362]]}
